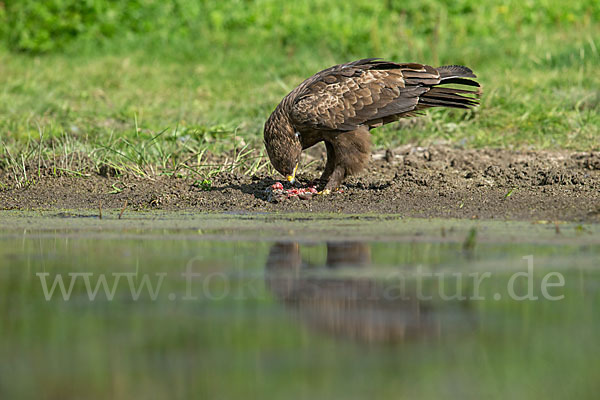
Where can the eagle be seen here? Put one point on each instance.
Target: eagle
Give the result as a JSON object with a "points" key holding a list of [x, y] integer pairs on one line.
{"points": [[341, 104]]}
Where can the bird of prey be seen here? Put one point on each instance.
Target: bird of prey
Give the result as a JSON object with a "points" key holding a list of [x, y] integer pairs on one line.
{"points": [[341, 104]]}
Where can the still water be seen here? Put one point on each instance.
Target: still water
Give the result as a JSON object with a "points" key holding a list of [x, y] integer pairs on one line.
{"points": [[212, 306]]}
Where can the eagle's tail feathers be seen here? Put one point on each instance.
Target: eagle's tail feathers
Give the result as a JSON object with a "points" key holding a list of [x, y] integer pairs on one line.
{"points": [[459, 71], [444, 96]]}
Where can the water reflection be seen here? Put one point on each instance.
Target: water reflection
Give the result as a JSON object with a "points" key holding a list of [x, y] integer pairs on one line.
{"points": [[355, 305]]}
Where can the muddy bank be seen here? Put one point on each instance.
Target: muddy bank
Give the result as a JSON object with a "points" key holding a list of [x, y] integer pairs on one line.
{"points": [[438, 181]]}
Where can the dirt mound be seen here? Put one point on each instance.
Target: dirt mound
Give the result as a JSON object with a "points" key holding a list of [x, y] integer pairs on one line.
{"points": [[437, 181]]}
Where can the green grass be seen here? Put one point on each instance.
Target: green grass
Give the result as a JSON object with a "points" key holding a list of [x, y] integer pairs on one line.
{"points": [[186, 80]]}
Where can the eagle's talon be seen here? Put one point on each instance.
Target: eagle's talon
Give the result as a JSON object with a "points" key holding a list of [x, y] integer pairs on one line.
{"points": [[324, 192]]}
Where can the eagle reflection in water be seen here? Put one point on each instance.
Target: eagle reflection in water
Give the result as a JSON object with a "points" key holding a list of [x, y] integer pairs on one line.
{"points": [[354, 305]]}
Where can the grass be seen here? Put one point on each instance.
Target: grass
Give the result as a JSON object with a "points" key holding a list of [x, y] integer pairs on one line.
{"points": [[146, 157], [172, 101]]}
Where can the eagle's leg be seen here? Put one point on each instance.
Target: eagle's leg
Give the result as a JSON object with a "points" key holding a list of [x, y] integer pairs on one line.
{"points": [[329, 165], [335, 180], [352, 151]]}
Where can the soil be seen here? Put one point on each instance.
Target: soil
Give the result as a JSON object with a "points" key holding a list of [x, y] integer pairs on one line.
{"points": [[436, 181]]}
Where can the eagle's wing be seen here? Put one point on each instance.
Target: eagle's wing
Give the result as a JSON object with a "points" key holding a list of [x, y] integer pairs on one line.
{"points": [[370, 92]]}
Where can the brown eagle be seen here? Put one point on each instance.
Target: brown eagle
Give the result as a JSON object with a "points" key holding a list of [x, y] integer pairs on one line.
{"points": [[341, 104]]}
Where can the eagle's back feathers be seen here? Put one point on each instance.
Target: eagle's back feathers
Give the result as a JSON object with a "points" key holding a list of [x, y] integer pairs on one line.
{"points": [[374, 92]]}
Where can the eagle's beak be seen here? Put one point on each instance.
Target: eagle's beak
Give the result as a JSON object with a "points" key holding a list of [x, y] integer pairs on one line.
{"points": [[292, 178]]}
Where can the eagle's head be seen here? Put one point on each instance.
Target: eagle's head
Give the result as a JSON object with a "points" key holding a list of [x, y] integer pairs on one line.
{"points": [[283, 145]]}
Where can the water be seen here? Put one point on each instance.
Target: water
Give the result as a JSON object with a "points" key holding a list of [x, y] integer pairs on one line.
{"points": [[293, 306]]}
